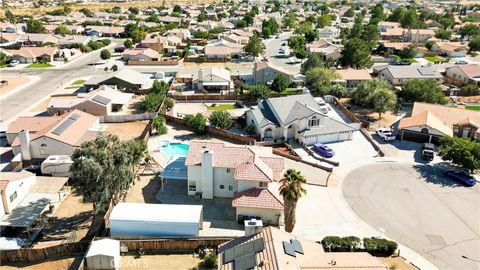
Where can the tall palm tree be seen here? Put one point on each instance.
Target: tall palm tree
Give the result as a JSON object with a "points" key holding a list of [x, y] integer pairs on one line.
{"points": [[291, 190]]}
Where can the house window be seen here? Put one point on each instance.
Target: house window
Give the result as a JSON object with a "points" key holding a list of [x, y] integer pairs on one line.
{"points": [[424, 130], [262, 184], [230, 187], [228, 170], [222, 186], [43, 149], [290, 127], [268, 134], [313, 122], [192, 185], [13, 196]]}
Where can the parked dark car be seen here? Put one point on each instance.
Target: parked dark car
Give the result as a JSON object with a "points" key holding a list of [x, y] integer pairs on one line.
{"points": [[461, 62], [323, 150], [402, 63], [461, 177]]}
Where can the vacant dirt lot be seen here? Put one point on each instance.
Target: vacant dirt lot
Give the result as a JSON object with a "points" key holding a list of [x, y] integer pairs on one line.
{"points": [[58, 264], [13, 82], [72, 215], [160, 262], [127, 130], [144, 190], [396, 263]]}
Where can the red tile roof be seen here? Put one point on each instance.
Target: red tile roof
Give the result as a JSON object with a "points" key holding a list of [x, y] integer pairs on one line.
{"points": [[256, 198]]}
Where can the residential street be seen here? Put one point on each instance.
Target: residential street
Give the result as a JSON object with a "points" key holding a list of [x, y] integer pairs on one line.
{"points": [[271, 52]]}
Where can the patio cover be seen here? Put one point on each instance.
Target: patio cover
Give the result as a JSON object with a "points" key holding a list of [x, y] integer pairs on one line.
{"points": [[215, 83], [44, 191]]}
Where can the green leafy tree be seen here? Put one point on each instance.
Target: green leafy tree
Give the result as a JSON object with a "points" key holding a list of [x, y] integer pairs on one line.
{"points": [[291, 189], [254, 46], [280, 83], [341, 244], [177, 9], [408, 52], [370, 34], [429, 44], [290, 20], [134, 10], [104, 169], [128, 43], [11, 18], [168, 103], [470, 30], [114, 68], [349, 13], [61, 30], [396, 15], [314, 60], [356, 54], [337, 90], [303, 27], [117, 10], [379, 246], [159, 125], [138, 35], [269, 27], [418, 90], [34, 26], [378, 12], [221, 119], [324, 20], [443, 34], [196, 122], [362, 95], [460, 151], [311, 35], [258, 92], [469, 90], [87, 12], [474, 44], [105, 54], [319, 80], [409, 19], [383, 100]]}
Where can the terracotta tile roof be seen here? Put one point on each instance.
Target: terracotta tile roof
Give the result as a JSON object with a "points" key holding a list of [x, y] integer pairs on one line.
{"points": [[256, 198], [33, 123], [7, 177], [426, 118], [250, 162], [449, 115], [354, 74], [73, 134], [34, 52], [397, 45], [471, 70]]}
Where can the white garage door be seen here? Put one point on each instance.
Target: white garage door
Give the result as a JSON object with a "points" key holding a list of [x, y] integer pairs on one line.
{"points": [[327, 138], [344, 136]]}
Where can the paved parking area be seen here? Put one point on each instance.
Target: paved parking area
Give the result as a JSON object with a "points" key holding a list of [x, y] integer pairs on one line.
{"points": [[420, 208], [218, 214]]}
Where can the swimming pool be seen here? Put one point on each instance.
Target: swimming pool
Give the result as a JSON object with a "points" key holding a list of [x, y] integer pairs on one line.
{"points": [[174, 150]]}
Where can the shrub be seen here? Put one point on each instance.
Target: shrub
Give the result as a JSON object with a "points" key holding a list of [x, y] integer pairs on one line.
{"points": [[280, 83], [250, 129], [210, 260], [114, 68], [168, 103], [151, 102], [259, 91], [196, 122], [379, 246], [105, 42], [159, 125], [221, 119], [341, 244]]}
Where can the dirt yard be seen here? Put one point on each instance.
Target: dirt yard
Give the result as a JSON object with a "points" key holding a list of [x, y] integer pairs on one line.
{"points": [[13, 82], [387, 119], [472, 99], [396, 263], [127, 130], [144, 190], [58, 264], [160, 262], [72, 215]]}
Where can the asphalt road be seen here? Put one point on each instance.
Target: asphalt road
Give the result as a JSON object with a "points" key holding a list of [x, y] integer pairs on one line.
{"points": [[420, 208], [272, 53], [51, 80]]}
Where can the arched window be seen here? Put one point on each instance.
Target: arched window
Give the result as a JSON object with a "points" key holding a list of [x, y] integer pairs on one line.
{"points": [[424, 130], [313, 122], [268, 134], [43, 149]]}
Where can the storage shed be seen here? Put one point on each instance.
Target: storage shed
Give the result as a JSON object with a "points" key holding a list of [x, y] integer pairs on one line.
{"points": [[134, 220], [103, 254]]}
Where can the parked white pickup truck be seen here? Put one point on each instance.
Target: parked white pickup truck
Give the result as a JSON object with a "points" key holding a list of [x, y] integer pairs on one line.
{"points": [[385, 133]]}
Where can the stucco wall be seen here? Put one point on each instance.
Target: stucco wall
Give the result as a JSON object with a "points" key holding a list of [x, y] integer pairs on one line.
{"points": [[53, 147], [22, 187], [269, 216]]}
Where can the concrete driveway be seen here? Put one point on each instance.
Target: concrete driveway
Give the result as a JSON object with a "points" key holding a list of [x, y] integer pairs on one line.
{"points": [[421, 209]]}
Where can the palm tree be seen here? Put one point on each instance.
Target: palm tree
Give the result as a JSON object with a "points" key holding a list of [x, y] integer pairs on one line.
{"points": [[291, 190]]}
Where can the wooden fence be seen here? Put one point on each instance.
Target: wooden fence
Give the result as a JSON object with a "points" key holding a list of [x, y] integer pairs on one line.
{"points": [[186, 98], [43, 254], [155, 63], [172, 245], [299, 159]]}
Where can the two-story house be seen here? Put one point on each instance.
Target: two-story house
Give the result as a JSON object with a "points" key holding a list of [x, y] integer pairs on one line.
{"points": [[247, 174], [298, 118]]}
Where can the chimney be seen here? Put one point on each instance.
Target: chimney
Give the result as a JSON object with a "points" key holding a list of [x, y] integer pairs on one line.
{"points": [[253, 226], [200, 74], [24, 138], [207, 174]]}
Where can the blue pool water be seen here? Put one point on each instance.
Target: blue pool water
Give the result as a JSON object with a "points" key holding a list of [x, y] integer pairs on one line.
{"points": [[174, 150]]}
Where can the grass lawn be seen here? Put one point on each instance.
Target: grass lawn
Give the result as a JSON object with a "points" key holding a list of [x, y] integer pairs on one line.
{"points": [[222, 107], [292, 91], [3, 65], [398, 58], [73, 87], [473, 107], [39, 65], [79, 82], [434, 58]]}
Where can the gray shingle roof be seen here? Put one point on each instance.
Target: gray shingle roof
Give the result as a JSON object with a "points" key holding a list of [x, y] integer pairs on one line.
{"points": [[327, 126], [289, 107]]}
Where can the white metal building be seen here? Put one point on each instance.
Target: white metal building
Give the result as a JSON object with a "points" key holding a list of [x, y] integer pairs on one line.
{"points": [[103, 254], [134, 220]]}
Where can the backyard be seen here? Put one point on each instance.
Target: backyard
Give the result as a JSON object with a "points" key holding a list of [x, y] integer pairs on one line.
{"points": [[221, 107], [160, 262]]}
